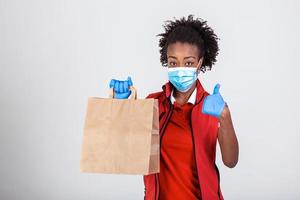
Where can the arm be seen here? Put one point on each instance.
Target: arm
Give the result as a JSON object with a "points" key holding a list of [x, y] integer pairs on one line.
{"points": [[215, 105], [227, 139]]}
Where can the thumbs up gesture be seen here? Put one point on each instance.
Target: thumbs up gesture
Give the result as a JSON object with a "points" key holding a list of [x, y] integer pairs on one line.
{"points": [[214, 104]]}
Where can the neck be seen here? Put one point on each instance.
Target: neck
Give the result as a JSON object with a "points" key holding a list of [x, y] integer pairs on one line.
{"points": [[182, 97]]}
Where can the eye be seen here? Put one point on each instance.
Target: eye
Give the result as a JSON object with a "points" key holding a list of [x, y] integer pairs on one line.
{"points": [[189, 63], [172, 63]]}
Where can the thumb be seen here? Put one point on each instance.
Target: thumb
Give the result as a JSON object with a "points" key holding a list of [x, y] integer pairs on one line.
{"points": [[129, 81], [217, 88]]}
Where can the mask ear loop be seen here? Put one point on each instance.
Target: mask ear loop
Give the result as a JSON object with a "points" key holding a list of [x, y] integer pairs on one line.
{"points": [[198, 69]]}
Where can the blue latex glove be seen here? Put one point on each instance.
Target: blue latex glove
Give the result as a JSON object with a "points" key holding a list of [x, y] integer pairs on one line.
{"points": [[121, 88], [214, 104]]}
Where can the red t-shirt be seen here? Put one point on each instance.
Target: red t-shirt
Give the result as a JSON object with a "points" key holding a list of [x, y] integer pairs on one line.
{"points": [[178, 177]]}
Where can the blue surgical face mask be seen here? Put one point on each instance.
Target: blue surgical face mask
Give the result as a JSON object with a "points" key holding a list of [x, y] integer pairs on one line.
{"points": [[182, 77]]}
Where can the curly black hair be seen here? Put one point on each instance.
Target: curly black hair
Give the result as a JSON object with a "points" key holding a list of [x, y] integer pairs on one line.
{"points": [[192, 31]]}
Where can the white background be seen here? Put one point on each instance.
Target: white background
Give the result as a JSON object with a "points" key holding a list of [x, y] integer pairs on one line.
{"points": [[55, 54]]}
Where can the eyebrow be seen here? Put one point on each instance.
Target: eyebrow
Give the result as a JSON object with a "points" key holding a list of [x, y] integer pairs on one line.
{"points": [[184, 57]]}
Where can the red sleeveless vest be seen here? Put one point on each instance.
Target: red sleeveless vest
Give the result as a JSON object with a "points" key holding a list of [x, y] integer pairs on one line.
{"points": [[204, 131]]}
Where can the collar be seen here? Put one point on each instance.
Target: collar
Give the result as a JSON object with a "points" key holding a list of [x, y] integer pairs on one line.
{"points": [[192, 98]]}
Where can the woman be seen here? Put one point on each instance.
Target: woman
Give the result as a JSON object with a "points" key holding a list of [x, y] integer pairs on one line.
{"points": [[191, 120]]}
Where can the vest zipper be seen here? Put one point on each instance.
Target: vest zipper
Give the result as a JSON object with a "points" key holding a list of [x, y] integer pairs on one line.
{"points": [[191, 124], [162, 133]]}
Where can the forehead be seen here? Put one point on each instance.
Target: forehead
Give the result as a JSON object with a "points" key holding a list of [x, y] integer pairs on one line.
{"points": [[179, 49]]}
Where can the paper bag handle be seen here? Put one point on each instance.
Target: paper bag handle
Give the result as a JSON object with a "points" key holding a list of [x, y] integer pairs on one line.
{"points": [[133, 95]]}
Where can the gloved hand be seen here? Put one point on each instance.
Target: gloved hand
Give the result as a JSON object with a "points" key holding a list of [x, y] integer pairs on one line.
{"points": [[121, 88], [214, 104]]}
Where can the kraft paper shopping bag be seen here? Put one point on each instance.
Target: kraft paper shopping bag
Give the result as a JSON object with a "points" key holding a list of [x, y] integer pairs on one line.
{"points": [[121, 136]]}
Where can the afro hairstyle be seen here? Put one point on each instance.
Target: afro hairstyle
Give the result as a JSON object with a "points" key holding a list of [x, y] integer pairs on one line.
{"points": [[191, 31]]}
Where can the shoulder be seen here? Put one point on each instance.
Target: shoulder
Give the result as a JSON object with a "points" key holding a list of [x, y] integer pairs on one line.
{"points": [[155, 95]]}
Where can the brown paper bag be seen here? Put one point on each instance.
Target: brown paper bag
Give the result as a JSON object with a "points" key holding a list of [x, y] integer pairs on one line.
{"points": [[121, 136]]}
